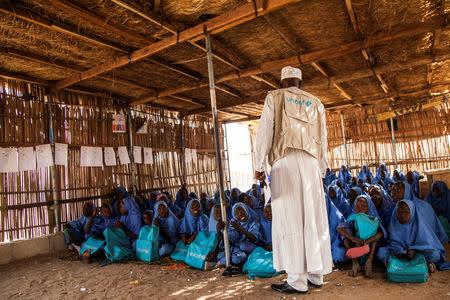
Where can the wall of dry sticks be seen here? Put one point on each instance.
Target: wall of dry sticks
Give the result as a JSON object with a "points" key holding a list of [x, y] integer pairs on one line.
{"points": [[83, 119]]}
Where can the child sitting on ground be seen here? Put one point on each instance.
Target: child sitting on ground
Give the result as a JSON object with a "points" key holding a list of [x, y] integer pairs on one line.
{"points": [[74, 230], [194, 221], [353, 232]]}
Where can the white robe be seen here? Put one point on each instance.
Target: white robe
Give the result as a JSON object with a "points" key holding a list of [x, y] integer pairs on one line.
{"points": [[300, 234]]}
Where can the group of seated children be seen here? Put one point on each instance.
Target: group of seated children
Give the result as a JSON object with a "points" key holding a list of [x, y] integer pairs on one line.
{"points": [[380, 214], [376, 217], [248, 219]]}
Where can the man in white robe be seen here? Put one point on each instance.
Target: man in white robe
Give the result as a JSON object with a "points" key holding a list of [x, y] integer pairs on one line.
{"points": [[297, 153]]}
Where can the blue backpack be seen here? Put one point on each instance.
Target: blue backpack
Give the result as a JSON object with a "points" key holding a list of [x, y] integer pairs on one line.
{"points": [[117, 245], [92, 244], [260, 263], [204, 243], [366, 226], [180, 251], [147, 245], [402, 270]]}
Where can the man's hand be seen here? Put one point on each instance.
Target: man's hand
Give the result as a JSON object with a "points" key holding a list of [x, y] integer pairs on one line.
{"points": [[260, 175]]}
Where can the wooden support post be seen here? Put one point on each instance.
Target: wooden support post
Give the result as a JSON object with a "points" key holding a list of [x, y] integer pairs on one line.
{"points": [[182, 154], [225, 138], [345, 140], [130, 146], [394, 151], [54, 175], [219, 166]]}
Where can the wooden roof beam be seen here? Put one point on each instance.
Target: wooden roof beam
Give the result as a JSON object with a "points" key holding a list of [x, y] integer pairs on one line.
{"points": [[226, 20], [310, 57]]}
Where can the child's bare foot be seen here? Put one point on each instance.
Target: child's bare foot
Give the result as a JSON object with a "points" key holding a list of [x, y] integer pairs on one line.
{"points": [[355, 269], [87, 256], [431, 267], [368, 268]]}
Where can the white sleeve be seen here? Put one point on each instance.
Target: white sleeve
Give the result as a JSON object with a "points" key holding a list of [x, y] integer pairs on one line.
{"points": [[264, 136], [323, 125]]}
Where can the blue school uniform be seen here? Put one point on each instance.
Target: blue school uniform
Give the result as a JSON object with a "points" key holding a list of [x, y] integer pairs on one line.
{"points": [[387, 206], [239, 239], [415, 235], [329, 178], [335, 218], [340, 202], [378, 177], [440, 204], [428, 213], [171, 226], [193, 224], [266, 230], [402, 176], [180, 201], [114, 206], [133, 219], [364, 175], [234, 201], [76, 228], [256, 206], [345, 175], [150, 204], [414, 183]]}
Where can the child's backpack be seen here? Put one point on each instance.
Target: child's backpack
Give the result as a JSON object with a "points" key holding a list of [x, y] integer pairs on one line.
{"points": [[147, 245], [403, 270], [204, 243], [92, 244], [117, 245], [180, 251], [260, 263], [366, 226]]}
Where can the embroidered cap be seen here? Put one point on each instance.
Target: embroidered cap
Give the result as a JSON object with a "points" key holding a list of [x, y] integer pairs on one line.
{"points": [[291, 72]]}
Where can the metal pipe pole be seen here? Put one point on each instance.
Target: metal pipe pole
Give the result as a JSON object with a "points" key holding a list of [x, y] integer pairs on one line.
{"points": [[345, 139], [53, 167], [394, 152], [130, 144], [219, 166]]}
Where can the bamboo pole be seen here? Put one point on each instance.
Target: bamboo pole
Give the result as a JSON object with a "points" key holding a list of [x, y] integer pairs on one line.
{"points": [[182, 154], [130, 145], [224, 126], [344, 139], [219, 166], [394, 151]]}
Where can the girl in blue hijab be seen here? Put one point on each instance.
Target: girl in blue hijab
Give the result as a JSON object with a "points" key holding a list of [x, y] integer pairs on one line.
{"points": [[253, 203], [353, 193], [409, 234], [382, 169], [439, 199], [166, 197], [351, 234], [336, 196], [119, 193], [194, 221], [364, 173], [335, 218], [152, 200], [402, 190], [168, 225], [100, 221], [182, 197], [383, 203], [131, 219], [344, 174], [413, 178], [245, 230], [234, 196], [227, 202], [398, 176], [266, 228], [74, 230], [329, 177]]}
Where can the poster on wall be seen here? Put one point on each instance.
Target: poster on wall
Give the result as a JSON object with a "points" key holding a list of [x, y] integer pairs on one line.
{"points": [[119, 123], [61, 153], [110, 156], [44, 156], [8, 160], [148, 156], [26, 159], [124, 157], [137, 154], [91, 156]]}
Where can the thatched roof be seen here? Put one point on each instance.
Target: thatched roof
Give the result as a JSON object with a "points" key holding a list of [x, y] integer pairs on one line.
{"points": [[56, 39]]}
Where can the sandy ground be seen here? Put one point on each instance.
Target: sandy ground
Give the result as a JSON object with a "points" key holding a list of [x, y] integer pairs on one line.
{"points": [[52, 278]]}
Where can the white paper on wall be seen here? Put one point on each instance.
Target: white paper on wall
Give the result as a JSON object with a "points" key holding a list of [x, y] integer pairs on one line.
{"points": [[137, 154], [187, 155], [110, 156], [91, 156], [148, 156], [61, 153], [27, 160], [124, 157], [44, 156], [8, 160], [194, 155]]}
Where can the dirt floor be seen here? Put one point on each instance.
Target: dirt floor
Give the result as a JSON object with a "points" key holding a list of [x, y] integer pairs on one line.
{"points": [[53, 278]]}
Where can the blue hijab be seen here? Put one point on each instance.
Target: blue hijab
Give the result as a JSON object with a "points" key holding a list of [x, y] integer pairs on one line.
{"points": [[387, 206], [234, 201], [115, 208], [266, 230], [415, 183], [179, 201], [402, 176], [251, 225], [169, 224], [335, 218], [79, 224], [440, 204], [193, 224], [364, 175], [133, 219], [414, 235], [101, 223], [150, 204], [227, 195], [379, 171], [329, 178], [340, 202], [345, 175], [427, 212]]}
